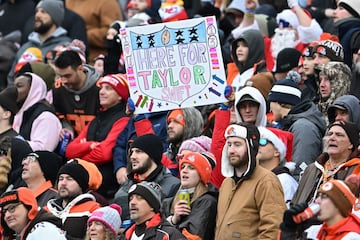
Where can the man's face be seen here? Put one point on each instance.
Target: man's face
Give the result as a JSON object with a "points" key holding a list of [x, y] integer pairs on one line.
{"points": [[275, 108], [43, 21], [140, 210], [341, 13], [341, 115], [324, 86], [108, 96], [320, 59], [70, 77], [68, 188], [140, 161], [248, 111], [242, 51], [328, 210], [237, 152], [266, 151], [31, 169], [23, 85], [15, 216], [338, 143], [175, 131]]}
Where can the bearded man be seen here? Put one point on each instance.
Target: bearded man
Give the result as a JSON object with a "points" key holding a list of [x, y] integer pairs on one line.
{"points": [[145, 159], [47, 33]]}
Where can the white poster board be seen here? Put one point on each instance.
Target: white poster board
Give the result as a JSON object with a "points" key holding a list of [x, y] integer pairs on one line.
{"points": [[174, 65]]}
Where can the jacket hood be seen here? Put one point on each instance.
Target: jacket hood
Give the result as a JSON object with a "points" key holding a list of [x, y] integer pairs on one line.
{"points": [[255, 43], [194, 122], [308, 110], [92, 76], [351, 104], [251, 135], [34, 36], [37, 93], [255, 94]]}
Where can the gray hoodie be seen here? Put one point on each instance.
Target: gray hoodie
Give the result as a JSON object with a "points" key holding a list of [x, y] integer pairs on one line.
{"points": [[351, 104]]}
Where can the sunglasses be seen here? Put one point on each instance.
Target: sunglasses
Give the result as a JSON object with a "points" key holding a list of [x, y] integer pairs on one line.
{"points": [[264, 141]]}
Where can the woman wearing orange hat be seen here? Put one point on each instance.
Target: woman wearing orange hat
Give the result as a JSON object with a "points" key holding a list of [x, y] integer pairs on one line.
{"points": [[195, 171]]}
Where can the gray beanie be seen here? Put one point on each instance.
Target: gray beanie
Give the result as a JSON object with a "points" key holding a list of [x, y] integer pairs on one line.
{"points": [[55, 8]]}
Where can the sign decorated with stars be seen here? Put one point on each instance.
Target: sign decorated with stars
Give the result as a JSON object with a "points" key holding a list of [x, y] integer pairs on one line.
{"points": [[174, 65]]}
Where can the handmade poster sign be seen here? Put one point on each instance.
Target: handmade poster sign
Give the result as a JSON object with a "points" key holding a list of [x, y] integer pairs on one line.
{"points": [[174, 64]]}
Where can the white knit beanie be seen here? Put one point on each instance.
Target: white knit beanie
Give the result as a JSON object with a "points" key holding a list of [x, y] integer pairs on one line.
{"points": [[352, 6]]}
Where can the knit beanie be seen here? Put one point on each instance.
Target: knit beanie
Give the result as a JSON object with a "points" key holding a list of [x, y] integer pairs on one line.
{"points": [[77, 172], [351, 129], [151, 145], [287, 59], [49, 163], [331, 49], [177, 115], [352, 6], [109, 216], [95, 176], [32, 54], [262, 81], [55, 8], [202, 163], [23, 195], [196, 144], [150, 191], [8, 98], [285, 91], [341, 193], [119, 83]]}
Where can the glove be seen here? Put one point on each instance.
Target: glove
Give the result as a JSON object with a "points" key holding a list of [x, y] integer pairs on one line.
{"points": [[229, 93], [292, 3], [130, 106], [288, 223]]}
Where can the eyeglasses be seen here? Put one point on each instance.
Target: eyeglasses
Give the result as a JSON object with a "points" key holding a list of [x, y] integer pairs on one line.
{"points": [[30, 159], [264, 141], [10, 209]]}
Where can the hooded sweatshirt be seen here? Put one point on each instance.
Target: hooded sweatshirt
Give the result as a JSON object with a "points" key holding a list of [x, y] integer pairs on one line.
{"points": [[258, 97], [351, 104], [254, 63], [339, 76], [80, 106], [307, 124], [194, 124], [45, 128]]}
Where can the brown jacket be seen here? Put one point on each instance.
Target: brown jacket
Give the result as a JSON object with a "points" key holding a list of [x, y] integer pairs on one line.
{"points": [[309, 182], [251, 208]]}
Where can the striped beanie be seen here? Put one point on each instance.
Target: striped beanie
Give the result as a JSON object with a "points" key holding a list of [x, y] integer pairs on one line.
{"points": [[285, 91]]}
